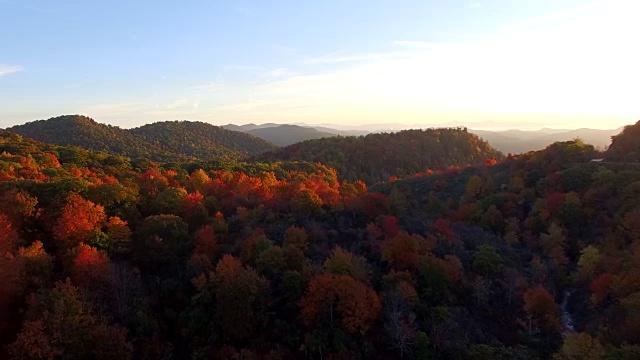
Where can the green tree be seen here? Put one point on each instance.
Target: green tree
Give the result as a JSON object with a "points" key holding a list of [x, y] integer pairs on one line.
{"points": [[487, 260], [60, 325]]}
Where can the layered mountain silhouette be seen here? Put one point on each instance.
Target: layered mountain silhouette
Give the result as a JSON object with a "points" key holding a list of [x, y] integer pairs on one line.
{"points": [[288, 134], [284, 135], [506, 141], [519, 141]]}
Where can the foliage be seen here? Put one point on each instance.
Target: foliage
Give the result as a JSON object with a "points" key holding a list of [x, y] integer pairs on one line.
{"points": [[201, 140], [625, 147], [105, 257]]}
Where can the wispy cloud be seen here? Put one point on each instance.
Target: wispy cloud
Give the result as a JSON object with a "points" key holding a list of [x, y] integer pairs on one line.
{"points": [[523, 69], [178, 109], [253, 106], [9, 69], [180, 103], [240, 68], [110, 109], [337, 58], [277, 74], [417, 44], [409, 49], [516, 73], [209, 87], [475, 5], [555, 16]]}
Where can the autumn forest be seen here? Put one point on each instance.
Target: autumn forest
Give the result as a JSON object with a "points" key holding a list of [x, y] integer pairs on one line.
{"points": [[184, 240]]}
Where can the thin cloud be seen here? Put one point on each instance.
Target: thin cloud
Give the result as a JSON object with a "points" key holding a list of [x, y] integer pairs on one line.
{"points": [[417, 44], [110, 109], [544, 19], [179, 104], [277, 74], [9, 69], [211, 86], [475, 5], [265, 106], [164, 114], [499, 76], [241, 68], [342, 58]]}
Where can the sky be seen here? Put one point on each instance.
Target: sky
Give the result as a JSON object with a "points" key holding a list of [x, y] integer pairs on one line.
{"points": [[483, 64]]}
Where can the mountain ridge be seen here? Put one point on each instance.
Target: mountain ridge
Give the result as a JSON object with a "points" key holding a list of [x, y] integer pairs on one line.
{"points": [[147, 141], [380, 156]]}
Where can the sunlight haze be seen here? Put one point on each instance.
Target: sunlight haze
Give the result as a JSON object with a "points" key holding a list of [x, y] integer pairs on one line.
{"points": [[494, 64]]}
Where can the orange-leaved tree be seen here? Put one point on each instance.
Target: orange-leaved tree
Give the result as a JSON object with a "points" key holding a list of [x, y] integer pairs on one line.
{"points": [[329, 298], [76, 221]]}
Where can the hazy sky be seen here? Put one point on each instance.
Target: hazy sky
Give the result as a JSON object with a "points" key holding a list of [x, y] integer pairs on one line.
{"points": [[521, 64]]}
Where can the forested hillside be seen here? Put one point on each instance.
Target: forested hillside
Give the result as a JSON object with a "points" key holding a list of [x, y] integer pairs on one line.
{"points": [[85, 132], [625, 147], [162, 141], [533, 257], [201, 140], [378, 157], [557, 247]]}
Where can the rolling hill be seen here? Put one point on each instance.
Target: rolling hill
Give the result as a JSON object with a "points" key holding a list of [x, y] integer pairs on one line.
{"points": [[85, 132], [162, 141], [377, 157], [201, 140]]}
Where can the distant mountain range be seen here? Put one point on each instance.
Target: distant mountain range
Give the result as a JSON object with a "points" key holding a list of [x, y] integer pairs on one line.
{"points": [[506, 141], [188, 140], [289, 134], [518, 141]]}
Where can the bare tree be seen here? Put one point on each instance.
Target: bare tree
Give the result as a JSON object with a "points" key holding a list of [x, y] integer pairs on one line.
{"points": [[400, 322]]}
